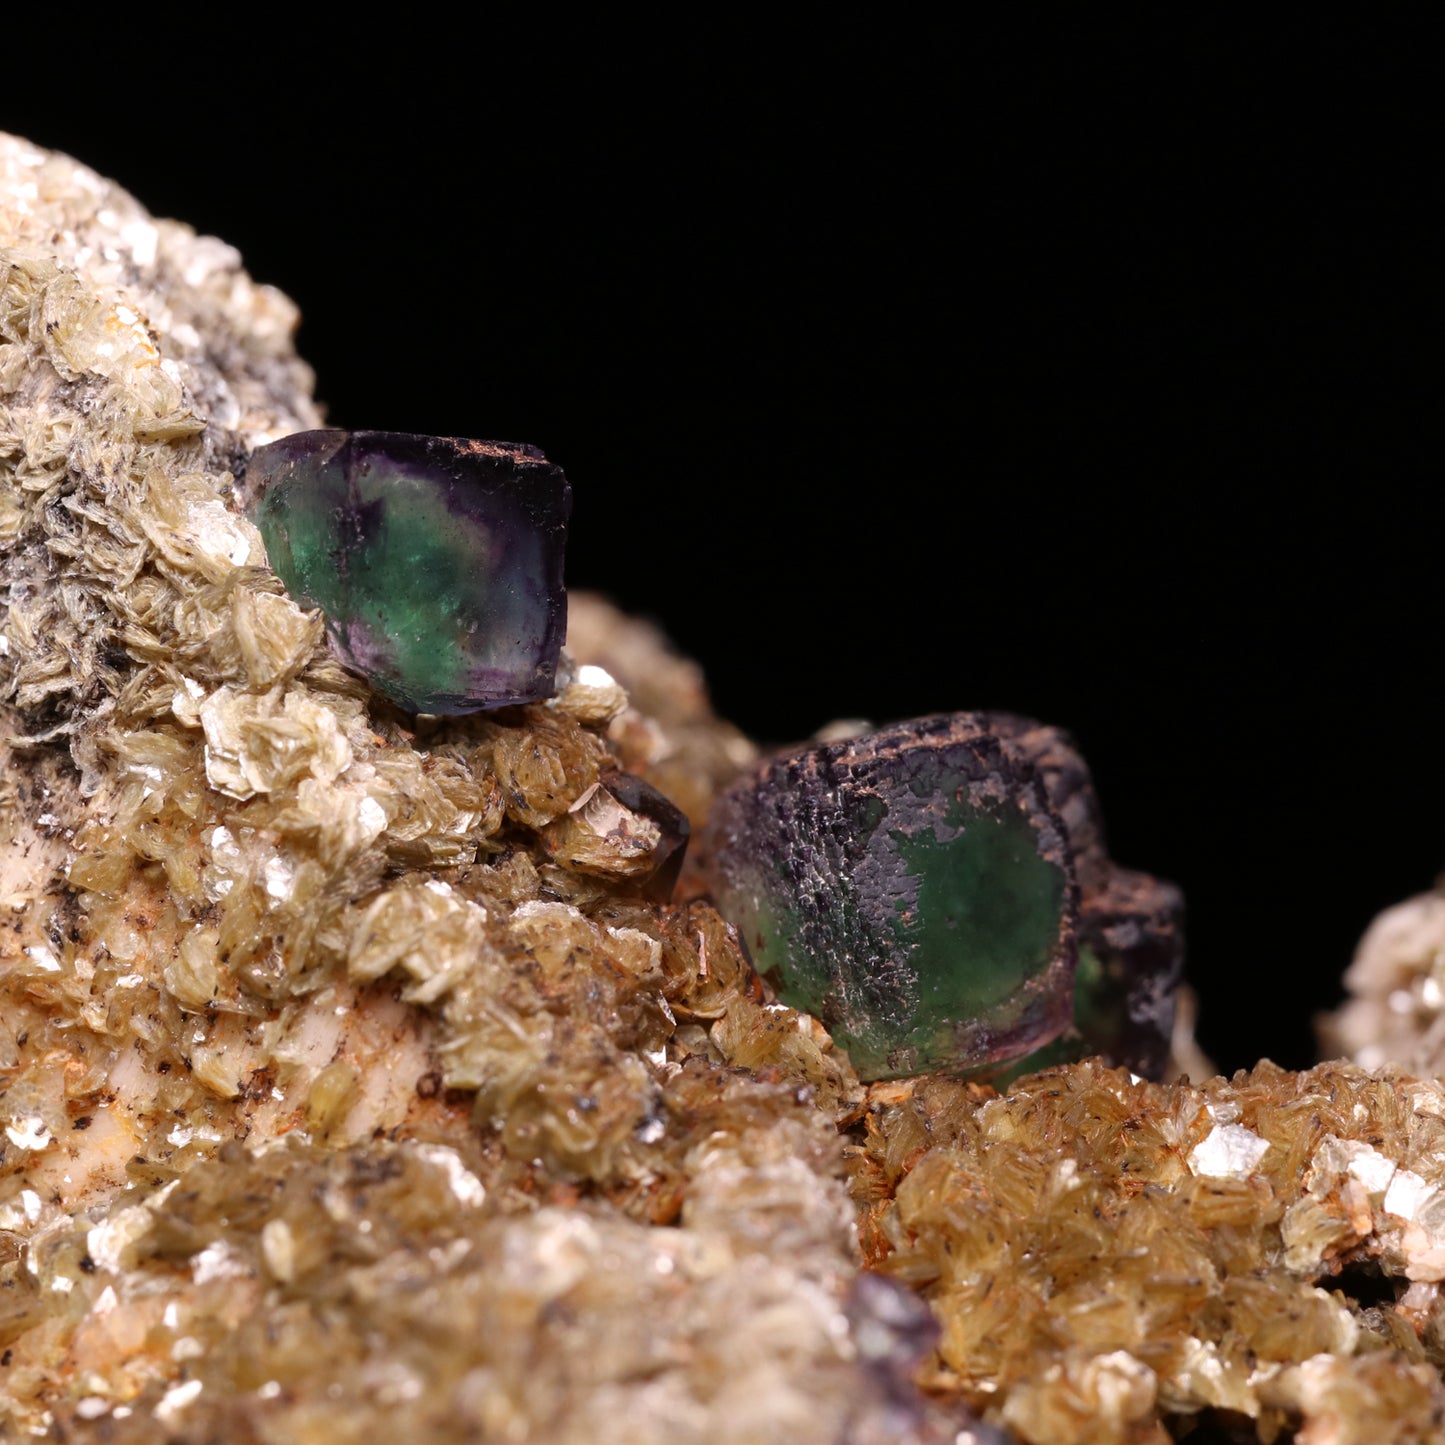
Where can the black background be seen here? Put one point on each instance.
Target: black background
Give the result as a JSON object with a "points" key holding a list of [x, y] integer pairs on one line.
{"points": [[1087, 371]]}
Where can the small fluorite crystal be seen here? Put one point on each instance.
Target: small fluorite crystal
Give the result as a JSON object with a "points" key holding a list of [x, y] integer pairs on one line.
{"points": [[437, 561], [927, 890], [914, 889]]}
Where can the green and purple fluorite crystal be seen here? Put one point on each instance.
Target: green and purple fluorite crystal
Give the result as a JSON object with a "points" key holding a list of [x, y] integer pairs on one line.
{"points": [[437, 561], [926, 891]]}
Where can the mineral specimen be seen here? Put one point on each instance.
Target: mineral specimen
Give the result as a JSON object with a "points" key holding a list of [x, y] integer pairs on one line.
{"points": [[918, 889], [355, 1084], [342, 1088], [437, 562]]}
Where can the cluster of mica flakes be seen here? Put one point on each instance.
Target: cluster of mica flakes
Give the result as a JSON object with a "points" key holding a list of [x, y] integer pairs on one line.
{"points": [[362, 1076]]}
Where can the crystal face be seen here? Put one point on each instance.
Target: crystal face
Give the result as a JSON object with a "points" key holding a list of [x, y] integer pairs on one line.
{"points": [[1131, 925], [672, 827], [436, 560], [1131, 962], [914, 889]]}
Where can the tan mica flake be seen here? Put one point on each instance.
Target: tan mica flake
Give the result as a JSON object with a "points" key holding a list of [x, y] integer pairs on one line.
{"points": [[256, 745], [545, 768], [331, 1096], [1228, 1151], [425, 929], [601, 836], [1089, 1400], [192, 532], [274, 637], [193, 975], [592, 695]]}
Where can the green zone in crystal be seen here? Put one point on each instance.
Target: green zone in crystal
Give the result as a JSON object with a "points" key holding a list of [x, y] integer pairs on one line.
{"points": [[437, 561]]}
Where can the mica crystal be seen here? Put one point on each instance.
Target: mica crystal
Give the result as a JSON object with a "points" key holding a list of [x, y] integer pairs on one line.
{"points": [[1260, 1258], [437, 561], [622, 827], [914, 889]]}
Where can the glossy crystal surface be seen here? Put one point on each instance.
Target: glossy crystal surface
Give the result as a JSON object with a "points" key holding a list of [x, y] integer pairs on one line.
{"points": [[437, 561]]}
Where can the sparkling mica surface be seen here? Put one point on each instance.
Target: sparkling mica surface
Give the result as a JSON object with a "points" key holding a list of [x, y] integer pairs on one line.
{"points": [[437, 561], [914, 889]]}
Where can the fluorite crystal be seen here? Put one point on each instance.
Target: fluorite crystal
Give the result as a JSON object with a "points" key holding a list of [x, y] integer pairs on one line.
{"points": [[1131, 962], [926, 891], [437, 561], [914, 889], [1131, 926]]}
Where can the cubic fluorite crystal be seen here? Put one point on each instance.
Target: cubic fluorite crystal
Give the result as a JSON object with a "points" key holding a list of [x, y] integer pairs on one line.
{"points": [[914, 889], [926, 891], [437, 561]]}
